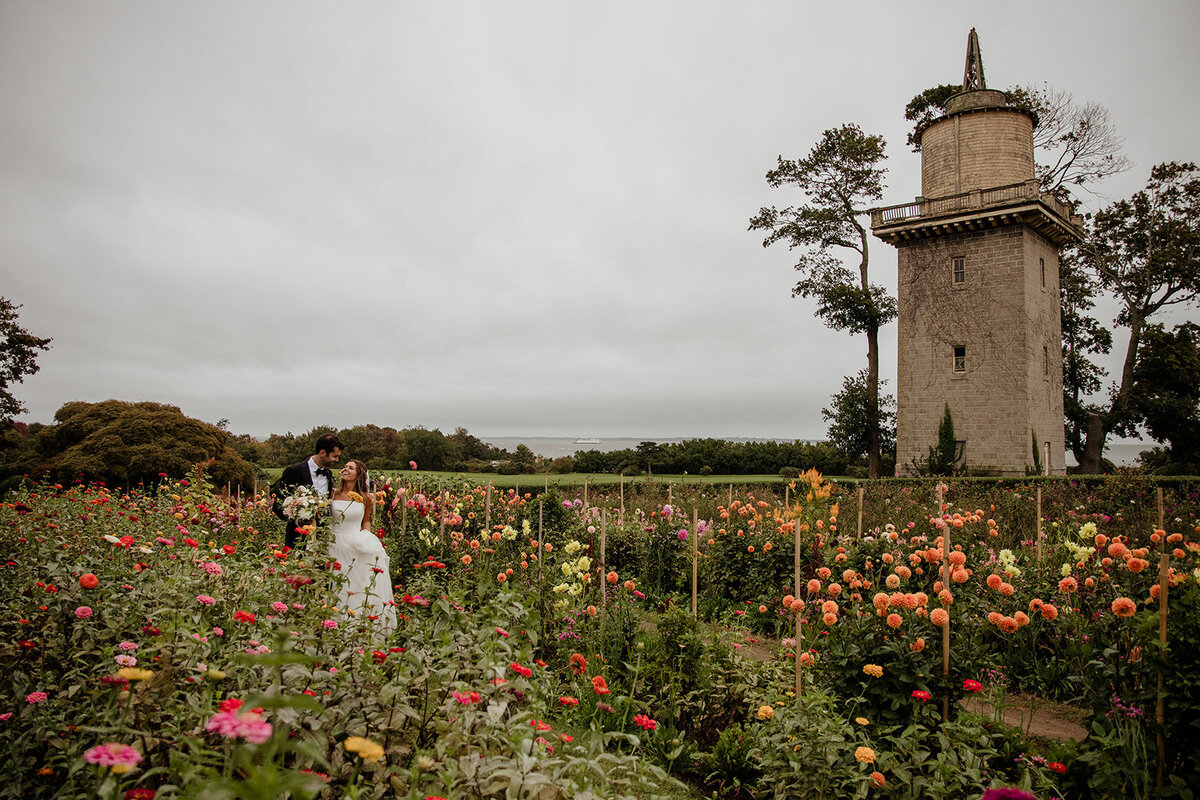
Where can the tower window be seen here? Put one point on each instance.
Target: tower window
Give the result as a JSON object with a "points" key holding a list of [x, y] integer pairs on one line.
{"points": [[959, 267], [1042, 263], [1046, 361], [960, 358]]}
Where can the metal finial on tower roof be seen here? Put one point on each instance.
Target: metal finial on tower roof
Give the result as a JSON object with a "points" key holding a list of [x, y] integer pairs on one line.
{"points": [[973, 72]]}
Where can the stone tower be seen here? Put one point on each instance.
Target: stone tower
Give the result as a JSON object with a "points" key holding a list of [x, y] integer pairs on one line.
{"points": [[979, 322]]}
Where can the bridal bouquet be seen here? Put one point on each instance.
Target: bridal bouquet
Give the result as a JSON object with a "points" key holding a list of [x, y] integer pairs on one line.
{"points": [[303, 505]]}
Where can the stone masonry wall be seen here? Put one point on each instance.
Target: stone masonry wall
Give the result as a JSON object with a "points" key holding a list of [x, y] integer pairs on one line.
{"points": [[1004, 319], [976, 150]]}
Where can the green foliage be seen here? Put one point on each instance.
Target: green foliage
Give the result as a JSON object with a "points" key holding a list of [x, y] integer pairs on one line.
{"points": [[848, 428], [1144, 252], [925, 108], [943, 456], [18, 357], [127, 444], [1166, 394]]}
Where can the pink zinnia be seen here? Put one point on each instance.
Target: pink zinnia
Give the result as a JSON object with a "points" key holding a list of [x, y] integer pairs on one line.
{"points": [[128, 646], [248, 725], [212, 568], [83, 612], [112, 754], [279, 607], [35, 697], [205, 600], [329, 623], [125, 661]]}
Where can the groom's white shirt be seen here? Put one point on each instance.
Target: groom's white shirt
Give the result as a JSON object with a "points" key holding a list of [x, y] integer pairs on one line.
{"points": [[320, 483]]}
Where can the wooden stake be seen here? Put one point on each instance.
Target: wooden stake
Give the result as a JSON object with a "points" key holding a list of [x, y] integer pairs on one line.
{"points": [[787, 487], [1163, 544], [1038, 534], [585, 495], [730, 502], [799, 634], [442, 518], [621, 520], [1160, 711], [669, 495], [541, 510], [603, 551], [404, 509], [946, 629], [695, 556], [487, 510], [517, 484], [861, 492]]}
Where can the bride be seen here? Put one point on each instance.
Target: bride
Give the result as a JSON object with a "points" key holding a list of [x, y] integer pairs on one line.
{"points": [[366, 589]]}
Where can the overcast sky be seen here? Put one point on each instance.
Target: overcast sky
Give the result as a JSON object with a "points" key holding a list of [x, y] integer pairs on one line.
{"points": [[525, 218]]}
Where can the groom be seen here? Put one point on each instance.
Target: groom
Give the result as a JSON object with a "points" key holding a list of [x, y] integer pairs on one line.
{"points": [[314, 472]]}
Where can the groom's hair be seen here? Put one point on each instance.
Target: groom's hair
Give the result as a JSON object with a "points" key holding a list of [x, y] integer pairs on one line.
{"points": [[328, 442]]}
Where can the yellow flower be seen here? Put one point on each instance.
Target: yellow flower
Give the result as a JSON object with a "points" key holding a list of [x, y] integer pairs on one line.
{"points": [[215, 674], [364, 747], [861, 720], [120, 769], [865, 755], [135, 674], [355, 497], [874, 670], [766, 712]]}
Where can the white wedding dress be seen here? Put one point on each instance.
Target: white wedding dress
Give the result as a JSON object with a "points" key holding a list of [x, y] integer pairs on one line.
{"points": [[366, 579]]}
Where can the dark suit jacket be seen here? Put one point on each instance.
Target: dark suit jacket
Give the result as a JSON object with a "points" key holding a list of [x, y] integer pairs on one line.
{"points": [[293, 476]]}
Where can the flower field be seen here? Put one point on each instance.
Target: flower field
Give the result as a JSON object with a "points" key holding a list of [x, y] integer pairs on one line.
{"points": [[162, 643]]}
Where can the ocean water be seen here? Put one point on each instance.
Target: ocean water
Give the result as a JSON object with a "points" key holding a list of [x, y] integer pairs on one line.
{"points": [[1123, 454]]}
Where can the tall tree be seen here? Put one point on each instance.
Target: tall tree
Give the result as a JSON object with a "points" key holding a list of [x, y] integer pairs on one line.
{"points": [[18, 357], [841, 177], [1146, 252]]}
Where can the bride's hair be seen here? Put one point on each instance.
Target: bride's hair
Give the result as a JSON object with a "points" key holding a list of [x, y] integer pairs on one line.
{"points": [[361, 479]]}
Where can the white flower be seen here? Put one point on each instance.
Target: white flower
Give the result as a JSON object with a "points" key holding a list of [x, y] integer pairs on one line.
{"points": [[583, 564]]}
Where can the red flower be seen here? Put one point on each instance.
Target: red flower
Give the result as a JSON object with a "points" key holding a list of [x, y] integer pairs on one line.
{"points": [[642, 721], [600, 685], [379, 656], [921, 695], [190, 542], [140, 794], [230, 704], [520, 670], [578, 663], [972, 686], [88, 581], [568, 701], [243, 616], [229, 549], [539, 725], [1057, 767]]}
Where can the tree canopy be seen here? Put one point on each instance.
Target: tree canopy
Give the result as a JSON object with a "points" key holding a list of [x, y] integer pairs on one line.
{"points": [[18, 357], [129, 443], [1145, 251]]}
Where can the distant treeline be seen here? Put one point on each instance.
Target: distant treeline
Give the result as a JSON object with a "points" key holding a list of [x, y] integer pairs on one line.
{"points": [[388, 448], [127, 444], [715, 457]]}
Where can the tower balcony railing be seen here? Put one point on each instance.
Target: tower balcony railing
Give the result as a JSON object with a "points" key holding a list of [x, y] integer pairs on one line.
{"points": [[966, 201]]}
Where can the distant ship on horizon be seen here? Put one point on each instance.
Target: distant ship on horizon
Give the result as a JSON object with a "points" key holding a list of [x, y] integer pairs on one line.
{"points": [[587, 440]]}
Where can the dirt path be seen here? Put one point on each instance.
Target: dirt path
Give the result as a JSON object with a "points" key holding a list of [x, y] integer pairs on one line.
{"points": [[1035, 716], [1049, 720]]}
